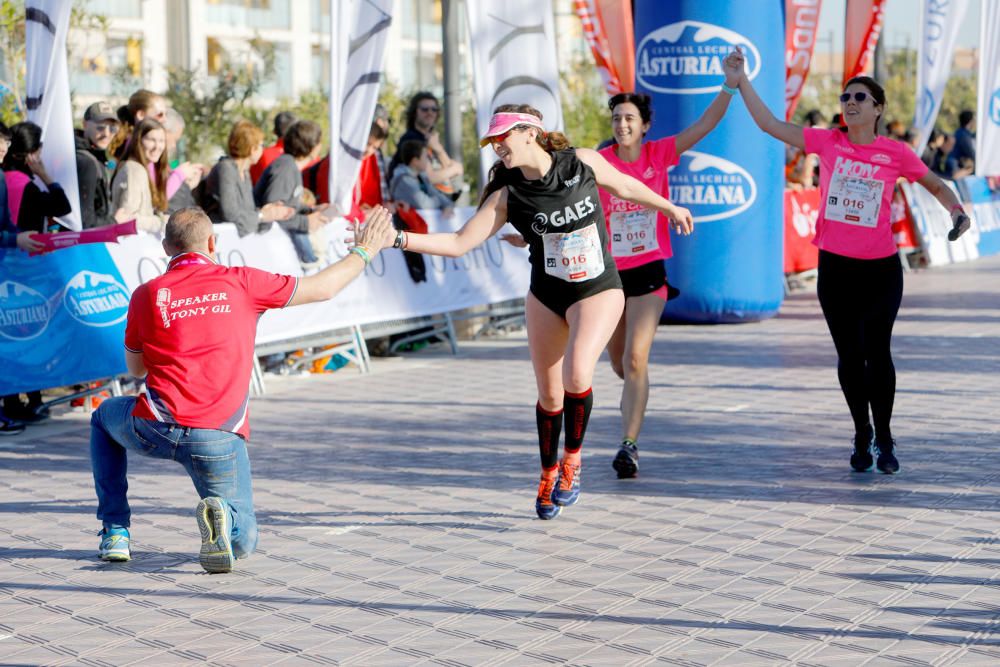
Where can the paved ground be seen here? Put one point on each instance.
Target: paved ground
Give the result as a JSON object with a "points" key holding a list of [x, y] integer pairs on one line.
{"points": [[397, 522]]}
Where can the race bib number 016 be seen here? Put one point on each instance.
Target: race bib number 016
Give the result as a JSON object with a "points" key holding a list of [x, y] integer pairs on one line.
{"points": [[854, 200], [576, 256], [633, 232]]}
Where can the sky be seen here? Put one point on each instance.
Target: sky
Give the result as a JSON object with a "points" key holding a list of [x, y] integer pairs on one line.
{"points": [[902, 22]]}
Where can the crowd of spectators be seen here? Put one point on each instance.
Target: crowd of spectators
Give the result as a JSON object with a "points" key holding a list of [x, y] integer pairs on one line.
{"points": [[129, 168]]}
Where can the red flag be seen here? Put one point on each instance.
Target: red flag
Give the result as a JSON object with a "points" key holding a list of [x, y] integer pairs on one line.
{"points": [[862, 30], [607, 25], [801, 20]]}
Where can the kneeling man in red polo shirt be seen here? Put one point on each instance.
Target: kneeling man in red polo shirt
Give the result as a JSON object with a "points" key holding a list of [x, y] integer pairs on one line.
{"points": [[190, 333]]}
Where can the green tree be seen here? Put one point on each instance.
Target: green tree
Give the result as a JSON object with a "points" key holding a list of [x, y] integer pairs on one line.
{"points": [[586, 118], [211, 104]]}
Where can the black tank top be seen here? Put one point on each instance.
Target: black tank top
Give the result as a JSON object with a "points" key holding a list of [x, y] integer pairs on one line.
{"points": [[565, 200]]}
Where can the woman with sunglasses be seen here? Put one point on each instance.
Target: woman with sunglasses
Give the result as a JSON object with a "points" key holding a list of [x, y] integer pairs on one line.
{"points": [[640, 242], [860, 282], [548, 191]]}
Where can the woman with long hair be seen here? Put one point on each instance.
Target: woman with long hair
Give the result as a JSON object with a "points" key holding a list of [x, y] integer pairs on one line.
{"points": [[548, 191], [860, 281], [640, 242], [139, 185], [142, 104]]}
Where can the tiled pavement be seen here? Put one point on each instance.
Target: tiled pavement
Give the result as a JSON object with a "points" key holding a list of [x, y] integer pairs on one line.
{"points": [[397, 522]]}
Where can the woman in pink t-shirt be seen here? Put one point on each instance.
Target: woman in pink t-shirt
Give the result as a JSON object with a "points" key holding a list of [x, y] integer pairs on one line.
{"points": [[640, 242], [860, 283]]}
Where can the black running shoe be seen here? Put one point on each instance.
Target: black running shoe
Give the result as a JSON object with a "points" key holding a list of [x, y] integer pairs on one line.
{"points": [[862, 459], [10, 426], [626, 462], [887, 462]]}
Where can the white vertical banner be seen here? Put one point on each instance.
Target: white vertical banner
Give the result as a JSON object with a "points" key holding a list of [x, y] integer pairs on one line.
{"points": [[47, 95], [359, 30], [939, 24], [513, 46], [988, 129]]}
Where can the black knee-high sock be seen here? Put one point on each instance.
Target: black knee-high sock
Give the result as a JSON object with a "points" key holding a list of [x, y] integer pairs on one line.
{"points": [[549, 427], [577, 408]]}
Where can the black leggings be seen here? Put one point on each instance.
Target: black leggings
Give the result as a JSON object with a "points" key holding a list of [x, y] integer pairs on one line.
{"points": [[860, 299]]}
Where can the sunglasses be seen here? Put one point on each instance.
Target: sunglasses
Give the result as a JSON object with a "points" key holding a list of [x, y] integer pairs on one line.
{"points": [[499, 138], [859, 96], [429, 109]]}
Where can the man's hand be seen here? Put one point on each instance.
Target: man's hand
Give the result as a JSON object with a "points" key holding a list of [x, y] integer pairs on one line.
{"points": [[377, 232], [28, 244]]}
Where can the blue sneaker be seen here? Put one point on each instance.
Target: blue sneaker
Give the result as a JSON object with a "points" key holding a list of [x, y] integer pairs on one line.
{"points": [[887, 462], [114, 545], [567, 490], [862, 459], [544, 506], [216, 547]]}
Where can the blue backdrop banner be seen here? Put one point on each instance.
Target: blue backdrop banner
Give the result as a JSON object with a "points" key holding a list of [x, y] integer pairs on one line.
{"points": [[62, 318], [730, 269]]}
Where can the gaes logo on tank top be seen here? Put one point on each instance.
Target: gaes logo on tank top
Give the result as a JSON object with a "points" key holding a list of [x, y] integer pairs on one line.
{"points": [[564, 215], [686, 57]]}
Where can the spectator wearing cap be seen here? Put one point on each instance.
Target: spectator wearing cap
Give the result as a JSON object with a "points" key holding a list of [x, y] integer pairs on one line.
{"points": [[283, 121], [100, 124]]}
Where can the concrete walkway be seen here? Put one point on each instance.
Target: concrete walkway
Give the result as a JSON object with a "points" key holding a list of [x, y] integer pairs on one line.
{"points": [[397, 520]]}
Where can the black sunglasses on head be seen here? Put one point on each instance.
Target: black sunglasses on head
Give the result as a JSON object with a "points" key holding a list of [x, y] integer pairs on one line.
{"points": [[859, 96]]}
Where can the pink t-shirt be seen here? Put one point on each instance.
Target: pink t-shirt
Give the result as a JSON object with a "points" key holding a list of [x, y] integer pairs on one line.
{"points": [[637, 235], [856, 183]]}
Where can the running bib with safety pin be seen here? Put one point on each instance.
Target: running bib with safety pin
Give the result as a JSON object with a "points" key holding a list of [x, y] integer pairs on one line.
{"points": [[633, 232], [854, 200], [574, 257]]}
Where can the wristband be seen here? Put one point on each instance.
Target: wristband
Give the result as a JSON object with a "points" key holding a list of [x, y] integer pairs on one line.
{"points": [[398, 243], [364, 253], [731, 91]]}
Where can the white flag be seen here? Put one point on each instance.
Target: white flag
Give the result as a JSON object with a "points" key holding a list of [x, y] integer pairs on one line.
{"points": [[47, 95], [940, 21], [513, 47], [988, 129], [356, 58]]}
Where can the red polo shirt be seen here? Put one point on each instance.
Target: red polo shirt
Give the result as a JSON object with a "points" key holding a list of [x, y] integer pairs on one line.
{"points": [[195, 326]]}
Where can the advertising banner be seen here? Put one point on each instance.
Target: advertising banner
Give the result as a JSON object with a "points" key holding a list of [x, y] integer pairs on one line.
{"points": [[513, 46], [862, 28], [940, 21], [801, 22], [729, 270], [801, 211], [988, 130], [62, 318], [356, 58], [47, 98]]}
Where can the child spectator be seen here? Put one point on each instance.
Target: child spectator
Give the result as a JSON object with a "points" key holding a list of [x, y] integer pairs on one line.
{"points": [[282, 182]]}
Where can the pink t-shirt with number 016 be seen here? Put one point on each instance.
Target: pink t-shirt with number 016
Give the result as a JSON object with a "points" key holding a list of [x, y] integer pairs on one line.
{"points": [[856, 183], [638, 235]]}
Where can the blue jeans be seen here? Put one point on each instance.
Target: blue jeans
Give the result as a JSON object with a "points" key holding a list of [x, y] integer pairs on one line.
{"points": [[217, 462]]}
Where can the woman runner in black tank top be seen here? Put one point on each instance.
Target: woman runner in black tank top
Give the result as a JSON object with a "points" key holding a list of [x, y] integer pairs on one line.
{"points": [[549, 193]]}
